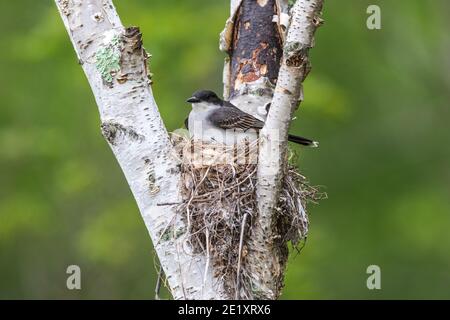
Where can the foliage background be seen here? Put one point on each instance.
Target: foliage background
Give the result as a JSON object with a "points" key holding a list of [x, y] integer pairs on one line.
{"points": [[378, 102]]}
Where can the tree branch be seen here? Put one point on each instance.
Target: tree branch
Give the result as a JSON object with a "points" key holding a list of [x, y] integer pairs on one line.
{"points": [[305, 18], [249, 81], [114, 62]]}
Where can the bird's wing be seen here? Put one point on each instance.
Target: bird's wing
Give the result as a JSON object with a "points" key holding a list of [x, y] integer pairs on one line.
{"points": [[231, 117]]}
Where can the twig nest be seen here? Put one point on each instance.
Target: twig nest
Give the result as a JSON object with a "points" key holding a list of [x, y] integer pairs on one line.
{"points": [[220, 207], [197, 154]]}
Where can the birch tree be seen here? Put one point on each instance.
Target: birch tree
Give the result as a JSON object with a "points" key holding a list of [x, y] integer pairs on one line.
{"points": [[267, 44]]}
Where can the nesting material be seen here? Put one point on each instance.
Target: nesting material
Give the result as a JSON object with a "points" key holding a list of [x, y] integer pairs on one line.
{"points": [[220, 206]]}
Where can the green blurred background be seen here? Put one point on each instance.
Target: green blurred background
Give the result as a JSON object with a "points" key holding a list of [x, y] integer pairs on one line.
{"points": [[378, 102]]}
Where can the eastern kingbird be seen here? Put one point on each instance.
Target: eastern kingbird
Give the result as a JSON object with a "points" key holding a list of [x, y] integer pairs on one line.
{"points": [[213, 119]]}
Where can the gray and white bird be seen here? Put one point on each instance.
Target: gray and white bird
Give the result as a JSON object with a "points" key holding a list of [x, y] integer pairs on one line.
{"points": [[215, 120]]}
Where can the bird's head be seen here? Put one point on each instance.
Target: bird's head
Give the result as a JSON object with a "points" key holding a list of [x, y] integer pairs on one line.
{"points": [[206, 97]]}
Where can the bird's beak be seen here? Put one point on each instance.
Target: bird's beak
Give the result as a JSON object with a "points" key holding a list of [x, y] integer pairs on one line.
{"points": [[192, 100]]}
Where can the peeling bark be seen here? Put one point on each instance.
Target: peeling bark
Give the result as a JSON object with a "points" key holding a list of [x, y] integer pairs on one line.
{"points": [[256, 51], [115, 65], [254, 45]]}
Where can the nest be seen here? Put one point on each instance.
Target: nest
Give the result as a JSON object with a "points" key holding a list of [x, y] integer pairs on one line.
{"points": [[220, 207]]}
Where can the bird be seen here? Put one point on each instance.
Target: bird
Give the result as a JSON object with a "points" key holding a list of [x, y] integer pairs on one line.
{"points": [[215, 120]]}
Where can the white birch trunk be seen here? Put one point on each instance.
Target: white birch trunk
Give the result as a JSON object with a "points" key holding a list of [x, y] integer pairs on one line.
{"points": [[296, 28], [114, 62], [305, 18]]}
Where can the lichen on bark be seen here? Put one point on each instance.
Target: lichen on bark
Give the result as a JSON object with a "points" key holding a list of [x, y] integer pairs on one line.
{"points": [[107, 58]]}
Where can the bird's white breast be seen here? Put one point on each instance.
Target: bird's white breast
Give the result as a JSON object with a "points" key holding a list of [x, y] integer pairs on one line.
{"points": [[202, 129]]}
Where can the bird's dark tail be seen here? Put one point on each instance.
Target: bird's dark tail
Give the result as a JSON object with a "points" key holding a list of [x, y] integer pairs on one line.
{"points": [[303, 141]]}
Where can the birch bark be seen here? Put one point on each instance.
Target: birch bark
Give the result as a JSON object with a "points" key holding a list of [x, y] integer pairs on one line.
{"points": [[295, 66], [114, 62], [267, 260]]}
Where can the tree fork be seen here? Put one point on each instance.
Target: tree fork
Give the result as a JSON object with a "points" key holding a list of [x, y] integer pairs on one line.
{"points": [[114, 62]]}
